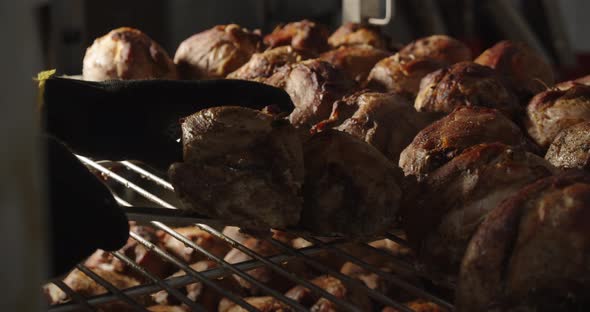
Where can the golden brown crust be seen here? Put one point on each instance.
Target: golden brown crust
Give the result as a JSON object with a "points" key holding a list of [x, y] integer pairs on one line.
{"points": [[356, 61], [304, 35], [532, 251], [334, 287], [550, 112], [571, 147], [216, 52], [264, 304], [126, 53], [527, 72], [466, 84], [439, 48], [419, 306], [265, 64], [201, 238], [446, 138], [351, 34], [585, 80]]}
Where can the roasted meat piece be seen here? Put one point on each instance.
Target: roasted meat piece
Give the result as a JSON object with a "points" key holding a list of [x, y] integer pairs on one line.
{"points": [[313, 85], [585, 80], [240, 165], [418, 306], [304, 35], [527, 72], [571, 147], [264, 304], [351, 34], [262, 65], [467, 84], [399, 74], [211, 243], [126, 53], [448, 137], [550, 112], [350, 187], [456, 197], [167, 308], [531, 253], [356, 61], [216, 52], [333, 286], [388, 121], [437, 47]]}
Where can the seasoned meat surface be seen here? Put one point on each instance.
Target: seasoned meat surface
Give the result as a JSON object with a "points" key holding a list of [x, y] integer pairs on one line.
{"points": [[201, 238], [240, 165], [456, 197], [527, 71], [350, 188], [387, 121], [167, 308], [333, 286], [126, 53], [550, 112], [571, 147], [356, 61], [351, 34], [262, 65], [531, 253], [585, 80], [465, 84], [313, 86], [448, 137], [437, 47], [216, 52], [264, 304], [304, 35]]}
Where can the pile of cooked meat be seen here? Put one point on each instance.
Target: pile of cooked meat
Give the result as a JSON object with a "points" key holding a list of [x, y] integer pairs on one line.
{"points": [[482, 162]]}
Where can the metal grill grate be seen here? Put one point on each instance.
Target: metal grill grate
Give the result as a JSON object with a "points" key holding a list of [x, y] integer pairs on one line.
{"points": [[171, 285]]}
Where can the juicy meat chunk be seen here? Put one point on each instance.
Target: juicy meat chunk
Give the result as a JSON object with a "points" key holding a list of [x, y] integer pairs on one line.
{"points": [[419, 306], [167, 308], [550, 112], [527, 71], [201, 238], [126, 53], [264, 64], [531, 253], [571, 147], [585, 80], [439, 48], [216, 52], [456, 197], [304, 35], [264, 304], [465, 84], [240, 165], [356, 61], [350, 188], [333, 286], [448, 137], [387, 121], [401, 74], [351, 34], [313, 86]]}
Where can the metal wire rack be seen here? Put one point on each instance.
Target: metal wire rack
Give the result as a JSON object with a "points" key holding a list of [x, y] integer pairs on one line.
{"points": [[141, 190]]}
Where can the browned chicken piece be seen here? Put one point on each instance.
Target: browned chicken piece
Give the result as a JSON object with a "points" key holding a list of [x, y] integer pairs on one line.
{"points": [[87, 287], [304, 35], [387, 121], [437, 47], [264, 304], [466, 84], [527, 72], [201, 238], [263, 274], [262, 65], [419, 306], [550, 112], [448, 137], [313, 86], [240, 165], [585, 80], [571, 147], [456, 197], [356, 61], [167, 308], [143, 256], [531, 253], [126, 53], [334, 287], [351, 34], [216, 52], [351, 189], [401, 74]]}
